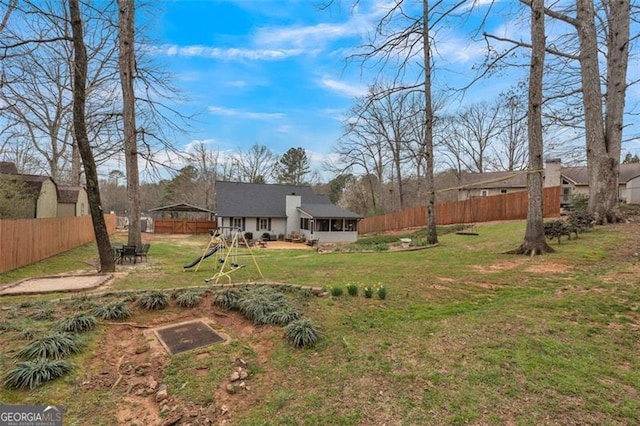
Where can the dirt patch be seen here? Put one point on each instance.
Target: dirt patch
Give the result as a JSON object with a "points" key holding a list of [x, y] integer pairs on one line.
{"points": [[548, 267], [55, 284], [131, 362], [503, 265]]}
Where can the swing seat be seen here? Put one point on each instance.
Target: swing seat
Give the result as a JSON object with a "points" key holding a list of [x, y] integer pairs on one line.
{"points": [[466, 233]]}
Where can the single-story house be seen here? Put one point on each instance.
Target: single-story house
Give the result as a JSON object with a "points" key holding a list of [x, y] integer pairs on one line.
{"points": [[572, 180], [283, 211], [575, 181]]}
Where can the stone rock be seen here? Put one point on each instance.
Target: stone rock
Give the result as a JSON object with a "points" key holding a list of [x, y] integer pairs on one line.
{"points": [[235, 376], [231, 388], [162, 393], [173, 420], [224, 410], [164, 409], [142, 348], [244, 374], [153, 384]]}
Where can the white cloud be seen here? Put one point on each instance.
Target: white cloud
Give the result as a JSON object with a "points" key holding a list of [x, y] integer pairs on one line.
{"points": [[237, 113], [459, 50], [225, 53], [285, 128], [345, 89], [304, 35]]}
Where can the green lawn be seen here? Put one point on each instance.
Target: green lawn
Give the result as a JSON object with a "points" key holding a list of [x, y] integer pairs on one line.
{"points": [[466, 335]]}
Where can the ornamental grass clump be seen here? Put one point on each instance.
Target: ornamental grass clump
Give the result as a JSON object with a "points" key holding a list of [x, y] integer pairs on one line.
{"points": [[302, 333], [257, 304], [31, 374], [226, 299], [43, 314], [77, 323], [282, 316], [53, 346], [153, 300], [188, 299], [112, 311]]}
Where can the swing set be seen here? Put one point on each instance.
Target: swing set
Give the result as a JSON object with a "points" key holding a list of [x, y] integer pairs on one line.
{"points": [[468, 206], [229, 255]]}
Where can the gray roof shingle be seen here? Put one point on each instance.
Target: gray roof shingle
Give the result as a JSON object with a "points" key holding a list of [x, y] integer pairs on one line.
{"points": [[239, 199]]}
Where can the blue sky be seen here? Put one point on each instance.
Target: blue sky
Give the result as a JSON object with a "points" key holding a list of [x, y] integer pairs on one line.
{"points": [[273, 72]]}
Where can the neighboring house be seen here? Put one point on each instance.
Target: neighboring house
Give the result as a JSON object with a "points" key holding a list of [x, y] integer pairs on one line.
{"points": [[50, 200], [491, 183], [575, 181], [572, 180], [72, 201], [284, 210]]}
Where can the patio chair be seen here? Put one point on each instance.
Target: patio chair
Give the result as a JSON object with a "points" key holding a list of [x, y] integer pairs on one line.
{"points": [[142, 251], [129, 254]]}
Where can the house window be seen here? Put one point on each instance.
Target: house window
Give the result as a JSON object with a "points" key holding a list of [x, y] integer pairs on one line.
{"points": [[236, 222], [304, 223], [484, 193], [503, 191], [263, 224], [336, 225], [350, 225], [322, 225]]}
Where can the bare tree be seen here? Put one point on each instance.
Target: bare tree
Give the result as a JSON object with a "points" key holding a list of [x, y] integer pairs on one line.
{"points": [[36, 85], [107, 262], [127, 66], [604, 136], [534, 238], [603, 37], [384, 116], [256, 165], [206, 162], [510, 147]]}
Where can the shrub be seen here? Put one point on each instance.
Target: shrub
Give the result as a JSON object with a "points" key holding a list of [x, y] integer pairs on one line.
{"points": [[153, 300], [558, 228], [581, 220], [56, 345], [302, 333], [368, 292], [226, 299], [188, 299], [352, 289], [336, 291], [306, 292], [31, 374], [77, 323], [112, 311], [382, 292]]}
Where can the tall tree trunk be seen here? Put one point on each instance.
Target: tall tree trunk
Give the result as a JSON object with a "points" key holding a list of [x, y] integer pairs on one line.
{"points": [[127, 70], [534, 240], [76, 166], [432, 234], [617, 62], [107, 263], [603, 154]]}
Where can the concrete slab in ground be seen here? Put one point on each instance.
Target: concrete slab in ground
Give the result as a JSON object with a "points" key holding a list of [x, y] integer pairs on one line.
{"points": [[54, 284]]}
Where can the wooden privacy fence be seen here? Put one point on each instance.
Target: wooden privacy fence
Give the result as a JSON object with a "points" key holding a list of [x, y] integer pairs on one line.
{"points": [[26, 241], [511, 206], [178, 226]]}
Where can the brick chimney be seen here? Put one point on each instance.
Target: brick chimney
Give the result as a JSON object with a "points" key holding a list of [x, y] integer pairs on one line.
{"points": [[552, 171]]}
